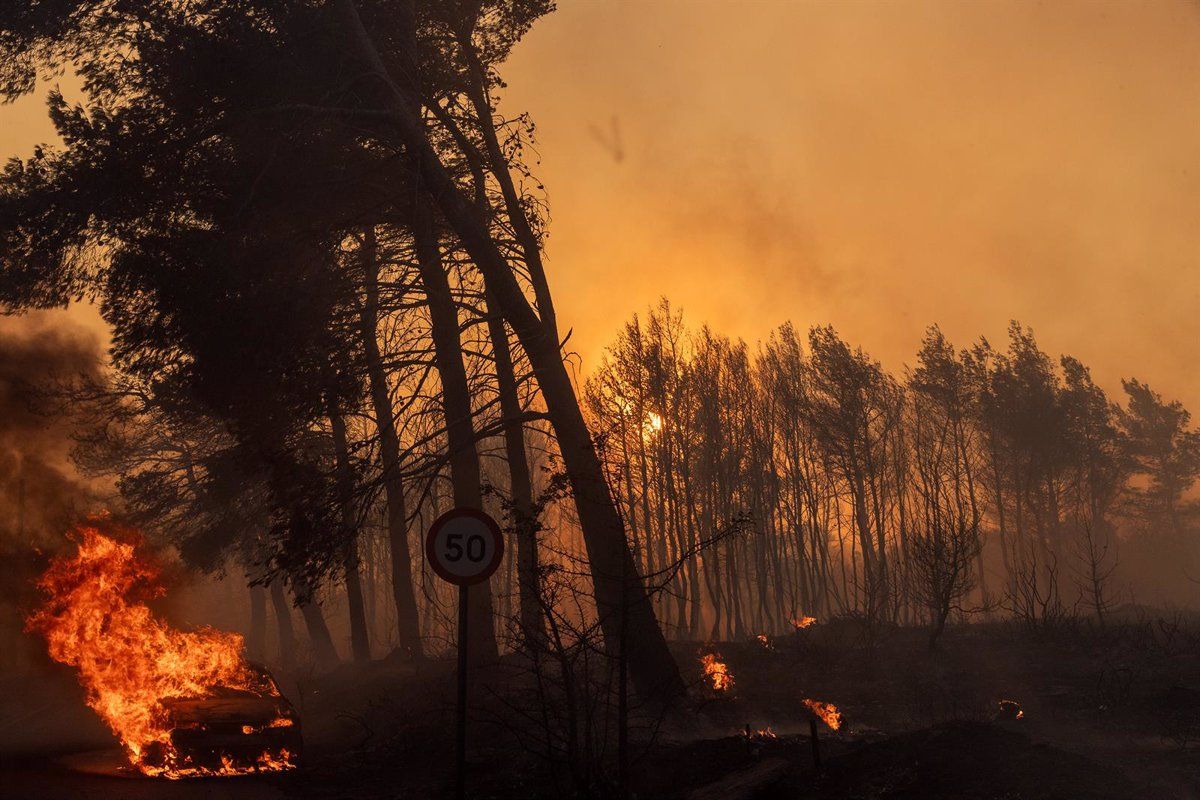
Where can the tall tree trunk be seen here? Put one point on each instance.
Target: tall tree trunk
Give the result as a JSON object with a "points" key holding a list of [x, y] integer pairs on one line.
{"points": [[283, 624], [456, 405], [256, 643], [465, 472], [524, 520], [360, 644], [652, 668], [408, 628], [644, 477], [367, 559], [318, 634], [360, 641]]}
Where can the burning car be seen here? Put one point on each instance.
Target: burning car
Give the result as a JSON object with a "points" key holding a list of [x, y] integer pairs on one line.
{"points": [[229, 732], [182, 703]]}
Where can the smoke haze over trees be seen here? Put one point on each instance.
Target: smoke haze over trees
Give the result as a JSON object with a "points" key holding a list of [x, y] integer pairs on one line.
{"points": [[306, 272], [317, 237], [984, 479], [40, 490], [315, 356]]}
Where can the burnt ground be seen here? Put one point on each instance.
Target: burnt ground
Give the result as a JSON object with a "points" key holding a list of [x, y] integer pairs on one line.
{"points": [[1107, 715]]}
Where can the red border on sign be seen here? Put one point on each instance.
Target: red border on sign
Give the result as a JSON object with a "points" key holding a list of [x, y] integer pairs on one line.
{"points": [[459, 580]]}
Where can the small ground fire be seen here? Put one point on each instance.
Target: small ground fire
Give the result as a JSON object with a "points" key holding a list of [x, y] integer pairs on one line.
{"points": [[826, 712], [168, 695], [717, 672], [762, 733], [545, 399], [1009, 710]]}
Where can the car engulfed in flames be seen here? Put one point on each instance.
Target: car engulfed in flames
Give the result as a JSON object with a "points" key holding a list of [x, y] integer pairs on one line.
{"points": [[227, 732], [182, 703]]}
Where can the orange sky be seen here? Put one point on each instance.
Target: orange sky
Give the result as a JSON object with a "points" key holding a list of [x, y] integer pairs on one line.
{"points": [[876, 166]]}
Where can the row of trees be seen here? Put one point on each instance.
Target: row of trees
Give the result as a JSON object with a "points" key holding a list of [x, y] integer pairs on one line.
{"points": [[319, 250], [320, 255], [981, 479]]}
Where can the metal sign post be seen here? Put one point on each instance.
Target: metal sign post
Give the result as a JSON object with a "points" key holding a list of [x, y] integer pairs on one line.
{"points": [[464, 546]]}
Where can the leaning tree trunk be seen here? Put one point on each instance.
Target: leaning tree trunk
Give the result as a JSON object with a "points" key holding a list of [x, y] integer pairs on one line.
{"points": [[465, 473], [618, 587], [403, 595], [476, 86], [360, 644]]}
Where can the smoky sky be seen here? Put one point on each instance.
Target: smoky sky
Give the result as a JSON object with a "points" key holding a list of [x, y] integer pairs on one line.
{"points": [[877, 166], [40, 492], [880, 167]]}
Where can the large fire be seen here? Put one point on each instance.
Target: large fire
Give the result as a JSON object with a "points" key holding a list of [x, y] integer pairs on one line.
{"points": [[826, 712], [718, 674], [135, 667]]}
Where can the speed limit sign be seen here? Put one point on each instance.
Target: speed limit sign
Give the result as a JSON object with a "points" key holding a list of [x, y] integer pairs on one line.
{"points": [[464, 546]]}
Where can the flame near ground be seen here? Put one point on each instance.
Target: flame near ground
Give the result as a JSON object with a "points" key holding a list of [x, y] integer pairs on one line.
{"points": [[826, 712], [129, 661], [717, 673]]}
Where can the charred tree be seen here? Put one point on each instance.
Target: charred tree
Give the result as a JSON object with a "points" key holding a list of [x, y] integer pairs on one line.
{"points": [[256, 642], [360, 644], [318, 634], [524, 516], [652, 668], [403, 596], [283, 626]]}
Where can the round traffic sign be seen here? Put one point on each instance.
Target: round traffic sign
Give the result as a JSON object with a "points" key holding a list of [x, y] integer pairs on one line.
{"points": [[464, 546]]}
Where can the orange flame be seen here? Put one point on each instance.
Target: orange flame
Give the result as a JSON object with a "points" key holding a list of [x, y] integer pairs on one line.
{"points": [[826, 712], [717, 672], [761, 733], [129, 661], [800, 623], [764, 641], [266, 762]]}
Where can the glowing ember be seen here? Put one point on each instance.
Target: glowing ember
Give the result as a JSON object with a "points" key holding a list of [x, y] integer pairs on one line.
{"points": [[1009, 709], [762, 733], [764, 642], [137, 670], [800, 623], [826, 712], [718, 674]]}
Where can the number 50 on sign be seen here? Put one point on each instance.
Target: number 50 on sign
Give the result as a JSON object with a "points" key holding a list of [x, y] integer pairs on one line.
{"points": [[464, 546]]}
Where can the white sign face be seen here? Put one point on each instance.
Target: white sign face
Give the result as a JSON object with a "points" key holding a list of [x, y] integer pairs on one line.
{"points": [[464, 546]]}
